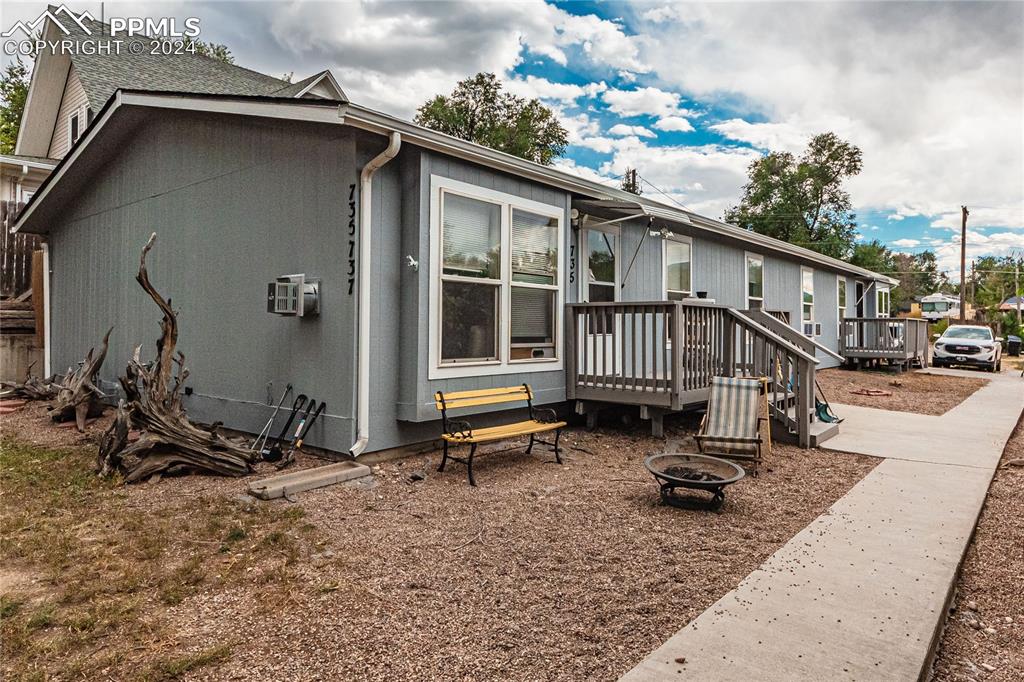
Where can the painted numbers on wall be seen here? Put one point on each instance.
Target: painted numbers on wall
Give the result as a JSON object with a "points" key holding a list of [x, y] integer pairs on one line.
{"points": [[351, 238], [572, 263]]}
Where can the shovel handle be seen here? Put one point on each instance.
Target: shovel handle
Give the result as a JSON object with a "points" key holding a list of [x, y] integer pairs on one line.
{"points": [[308, 425]]}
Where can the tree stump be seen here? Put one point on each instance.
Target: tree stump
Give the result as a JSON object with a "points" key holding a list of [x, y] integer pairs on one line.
{"points": [[78, 396], [152, 405], [33, 388]]}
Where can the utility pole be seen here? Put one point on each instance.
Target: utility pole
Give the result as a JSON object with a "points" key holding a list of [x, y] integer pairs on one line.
{"points": [[963, 264], [1016, 288]]}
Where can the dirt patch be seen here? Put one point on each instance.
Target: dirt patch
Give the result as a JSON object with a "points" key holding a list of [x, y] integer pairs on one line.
{"points": [[984, 636], [542, 572], [911, 391]]}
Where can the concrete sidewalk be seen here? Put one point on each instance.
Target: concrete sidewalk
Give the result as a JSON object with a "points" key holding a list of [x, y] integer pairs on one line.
{"points": [[860, 593]]}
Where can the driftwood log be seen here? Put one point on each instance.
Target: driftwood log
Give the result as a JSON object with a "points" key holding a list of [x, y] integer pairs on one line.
{"points": [[78, 397], [169, 442], [33, 388]]}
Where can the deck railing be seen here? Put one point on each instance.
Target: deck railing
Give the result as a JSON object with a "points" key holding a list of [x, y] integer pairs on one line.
{"points": [[901, 339], [663, 354]]}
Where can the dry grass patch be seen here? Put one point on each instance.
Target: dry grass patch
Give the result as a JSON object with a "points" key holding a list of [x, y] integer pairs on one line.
{"points": [[911, 391], [105, 563], [984, 637]]}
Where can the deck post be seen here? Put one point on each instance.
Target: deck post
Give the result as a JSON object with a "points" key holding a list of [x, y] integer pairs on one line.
{"points": [[570, 352]]}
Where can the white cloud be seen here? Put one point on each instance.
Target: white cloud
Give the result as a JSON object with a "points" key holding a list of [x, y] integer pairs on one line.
{"points": [[703, 178], [978, 244], [623, 130], [938, 127], [541, 88], [1003, 216], [644, 102], [906, 243], [676, 124]]}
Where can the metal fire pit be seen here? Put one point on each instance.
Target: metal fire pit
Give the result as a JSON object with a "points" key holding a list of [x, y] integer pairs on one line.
{"points": [[693, 472]]}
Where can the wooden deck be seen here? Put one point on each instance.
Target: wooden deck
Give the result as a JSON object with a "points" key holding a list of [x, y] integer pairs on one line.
{"points": [[661, 356], [897, 341]]}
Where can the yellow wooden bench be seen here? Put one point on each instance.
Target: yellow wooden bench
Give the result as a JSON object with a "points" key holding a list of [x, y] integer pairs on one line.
{"points": [[460, 432]]}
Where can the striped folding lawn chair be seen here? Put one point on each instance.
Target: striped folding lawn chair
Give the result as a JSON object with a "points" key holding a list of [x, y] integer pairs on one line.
{"points": [[732, 426]]}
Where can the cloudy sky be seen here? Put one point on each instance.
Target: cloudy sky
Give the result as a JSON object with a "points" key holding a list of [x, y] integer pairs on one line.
{"points": [[932, 92]]}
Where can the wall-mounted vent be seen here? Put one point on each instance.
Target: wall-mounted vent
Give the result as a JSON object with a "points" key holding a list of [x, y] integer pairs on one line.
{"points": [[293, 295]]}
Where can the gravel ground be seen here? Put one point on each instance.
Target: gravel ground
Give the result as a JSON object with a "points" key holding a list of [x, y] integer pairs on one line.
{"points": [[984, 636], [911, 391], [543, 572]]}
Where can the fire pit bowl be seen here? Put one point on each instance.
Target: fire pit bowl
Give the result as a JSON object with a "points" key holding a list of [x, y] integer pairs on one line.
{"points": [[694, 472]]}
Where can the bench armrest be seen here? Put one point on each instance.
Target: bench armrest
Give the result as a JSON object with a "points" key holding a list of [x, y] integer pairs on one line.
{"points": [[545, 415], [460, 428]]}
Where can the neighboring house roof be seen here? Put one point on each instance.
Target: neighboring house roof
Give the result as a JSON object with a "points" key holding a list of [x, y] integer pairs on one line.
{"points": [[319, 84], [366, 119], [102, 72], [31, 161], [1011, 302]]}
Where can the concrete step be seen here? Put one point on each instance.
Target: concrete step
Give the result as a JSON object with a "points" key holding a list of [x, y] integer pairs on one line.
{"points": [[286, 485]]}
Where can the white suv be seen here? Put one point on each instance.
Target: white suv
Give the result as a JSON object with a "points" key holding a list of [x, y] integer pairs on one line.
{"points": [[963, 344]]}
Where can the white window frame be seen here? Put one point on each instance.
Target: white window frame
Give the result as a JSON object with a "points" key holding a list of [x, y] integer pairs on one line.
{"points": [[77, 113], [883, 293], [440, 185], [584, 249], [810, 320], [664, 265], [841, 302], [747, 257]]}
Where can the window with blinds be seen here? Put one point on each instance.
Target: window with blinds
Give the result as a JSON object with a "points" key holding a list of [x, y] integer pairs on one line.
{"points": [[471, 233], [534, 285], [499, 279]]}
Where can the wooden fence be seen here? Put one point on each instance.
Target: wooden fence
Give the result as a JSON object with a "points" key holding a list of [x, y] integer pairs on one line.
{"points": [[15, 252]]}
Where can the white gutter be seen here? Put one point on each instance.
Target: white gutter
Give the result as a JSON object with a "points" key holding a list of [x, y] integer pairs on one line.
{"points": [[47, 347], [363, 344]]}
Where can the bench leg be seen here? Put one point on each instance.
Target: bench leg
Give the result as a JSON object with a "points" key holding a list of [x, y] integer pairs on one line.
{"points": [[529, 448], [469, 464], [558, 457], [444, 457]]}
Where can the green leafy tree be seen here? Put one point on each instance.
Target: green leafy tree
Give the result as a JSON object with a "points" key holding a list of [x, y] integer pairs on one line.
{"points": [[873, 255], [801, 200], [213, 51], [479, 110], [13, 92]]}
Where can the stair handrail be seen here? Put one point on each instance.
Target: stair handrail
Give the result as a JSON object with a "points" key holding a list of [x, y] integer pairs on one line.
{"points": [[785, 330], [764, 331]]}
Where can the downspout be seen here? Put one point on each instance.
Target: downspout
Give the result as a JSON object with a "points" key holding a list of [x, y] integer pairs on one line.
{"points": [[363, 342]]}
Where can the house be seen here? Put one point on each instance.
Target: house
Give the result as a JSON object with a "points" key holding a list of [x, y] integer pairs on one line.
{"points": [[67, 88], [437, 264], [1011, 304]]}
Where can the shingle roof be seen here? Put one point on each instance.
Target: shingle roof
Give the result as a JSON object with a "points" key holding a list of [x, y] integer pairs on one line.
{"points": [[102, 74], [292, 89]]}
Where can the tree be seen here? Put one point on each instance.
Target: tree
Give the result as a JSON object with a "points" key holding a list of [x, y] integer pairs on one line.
{"points": [[479, 111], [630, 183], [213, 51], [802, 200], [13, 92]]}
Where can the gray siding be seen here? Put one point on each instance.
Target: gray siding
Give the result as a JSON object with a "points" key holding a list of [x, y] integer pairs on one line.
{"points": [[73, 99], [235, 202], [402, 407]]}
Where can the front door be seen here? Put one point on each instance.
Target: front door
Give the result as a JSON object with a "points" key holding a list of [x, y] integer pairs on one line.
{"points": [[600, 284]]}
